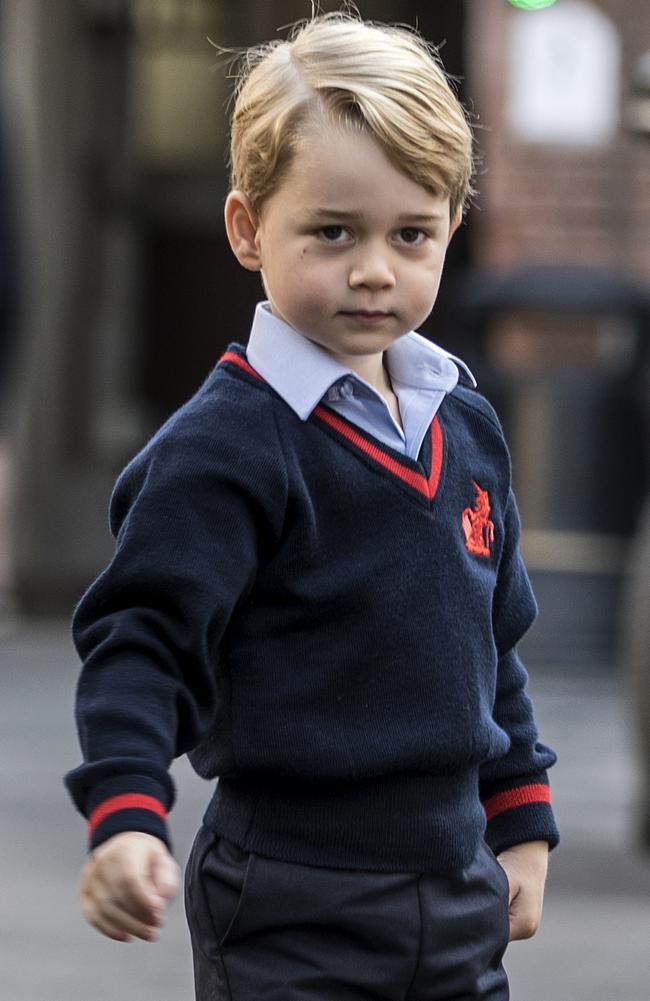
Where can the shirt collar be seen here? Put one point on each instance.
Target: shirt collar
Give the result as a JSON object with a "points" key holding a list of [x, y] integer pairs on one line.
{"points": [[415, 361], [302, 372]]}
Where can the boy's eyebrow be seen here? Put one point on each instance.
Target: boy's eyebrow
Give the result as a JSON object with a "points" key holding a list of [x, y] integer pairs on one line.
{"points": [[404, 218]]}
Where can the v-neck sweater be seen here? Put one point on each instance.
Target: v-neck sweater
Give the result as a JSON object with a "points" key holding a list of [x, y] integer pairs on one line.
{"points": [[325, 625]]}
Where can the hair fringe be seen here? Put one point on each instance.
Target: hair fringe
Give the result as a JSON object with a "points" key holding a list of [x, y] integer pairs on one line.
{"points": [[448, 148]]}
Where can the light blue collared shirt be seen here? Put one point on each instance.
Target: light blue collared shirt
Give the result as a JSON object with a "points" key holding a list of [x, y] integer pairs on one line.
{"points": [[304, 375]]}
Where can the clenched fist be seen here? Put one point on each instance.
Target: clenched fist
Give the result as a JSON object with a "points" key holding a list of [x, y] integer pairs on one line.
{"points": [[126, 885]]}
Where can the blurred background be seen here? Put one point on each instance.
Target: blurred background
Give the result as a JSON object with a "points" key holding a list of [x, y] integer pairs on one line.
{"points": [[117, 295]]}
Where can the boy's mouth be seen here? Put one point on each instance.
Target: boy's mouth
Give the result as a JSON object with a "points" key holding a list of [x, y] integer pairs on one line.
{"points": [[366, 316]]}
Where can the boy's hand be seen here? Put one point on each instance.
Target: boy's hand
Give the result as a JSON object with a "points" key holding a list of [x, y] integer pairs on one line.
{"points": [[126, 884], [525, 866]]}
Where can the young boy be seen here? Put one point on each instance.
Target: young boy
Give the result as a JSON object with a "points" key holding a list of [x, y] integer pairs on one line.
{"points": [[317, 590]]}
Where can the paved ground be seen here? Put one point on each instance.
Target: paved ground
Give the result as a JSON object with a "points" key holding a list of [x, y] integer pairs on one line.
{"points": [[594, 944]]}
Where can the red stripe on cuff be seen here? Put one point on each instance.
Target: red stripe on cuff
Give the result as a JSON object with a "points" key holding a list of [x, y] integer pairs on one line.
{"points": [[513, 798], [127, 801]]}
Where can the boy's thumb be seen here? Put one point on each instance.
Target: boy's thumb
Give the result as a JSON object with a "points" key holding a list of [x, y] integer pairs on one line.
{"points": [[164, 874]]}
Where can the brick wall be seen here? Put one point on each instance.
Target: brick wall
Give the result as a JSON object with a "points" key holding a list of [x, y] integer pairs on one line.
{"points": [[547, 203]]}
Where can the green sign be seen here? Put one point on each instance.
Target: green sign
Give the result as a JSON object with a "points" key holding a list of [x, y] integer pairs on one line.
{"points": [[531, 4]]}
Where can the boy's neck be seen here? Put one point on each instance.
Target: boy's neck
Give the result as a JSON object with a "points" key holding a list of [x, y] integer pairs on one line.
{"points": [[373, 370]]}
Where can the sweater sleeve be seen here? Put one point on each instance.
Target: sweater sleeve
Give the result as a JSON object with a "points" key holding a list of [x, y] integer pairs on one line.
{"points": [[192, 514], [514, 788]]}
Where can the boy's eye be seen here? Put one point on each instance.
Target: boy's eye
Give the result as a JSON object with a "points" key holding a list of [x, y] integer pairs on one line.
{"points": [[333, 234], [412, 236]]}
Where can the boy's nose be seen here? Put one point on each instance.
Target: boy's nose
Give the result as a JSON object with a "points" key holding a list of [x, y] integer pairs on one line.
{"points": [[371, 269]]}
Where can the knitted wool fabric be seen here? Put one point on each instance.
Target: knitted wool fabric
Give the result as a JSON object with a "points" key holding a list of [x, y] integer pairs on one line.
{"points": [[327, 626]]}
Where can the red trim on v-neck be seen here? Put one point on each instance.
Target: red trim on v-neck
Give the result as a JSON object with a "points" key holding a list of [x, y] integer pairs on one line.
{"points": [[236, 359], [425, 485]]}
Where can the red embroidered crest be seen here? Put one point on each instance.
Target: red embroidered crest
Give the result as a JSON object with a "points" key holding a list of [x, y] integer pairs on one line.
{"points": [[477, 524]]}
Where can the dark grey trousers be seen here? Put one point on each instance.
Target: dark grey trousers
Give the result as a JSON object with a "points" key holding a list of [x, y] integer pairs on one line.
{"points": [[264, 930]]}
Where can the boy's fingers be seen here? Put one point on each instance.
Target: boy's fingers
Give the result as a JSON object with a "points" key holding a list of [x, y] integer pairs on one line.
{"points": [[126, 885], [139, 890], [125, 893], [95, 917], [137, 895], [108, 916], [524, 917], [111, 931], [131, 894], [515, 906], [129, 925], [150, 882], [165, 876]]}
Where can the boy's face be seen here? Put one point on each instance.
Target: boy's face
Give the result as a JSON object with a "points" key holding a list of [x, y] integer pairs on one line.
{"points": [[351, 250]]}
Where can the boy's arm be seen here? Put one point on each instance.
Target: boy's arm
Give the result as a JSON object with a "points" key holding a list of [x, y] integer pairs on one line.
{"points": [[190, 515], [514, 788]]}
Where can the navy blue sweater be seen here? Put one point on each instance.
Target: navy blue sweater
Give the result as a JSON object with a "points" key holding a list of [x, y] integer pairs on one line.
{"points": [[324, 624]]}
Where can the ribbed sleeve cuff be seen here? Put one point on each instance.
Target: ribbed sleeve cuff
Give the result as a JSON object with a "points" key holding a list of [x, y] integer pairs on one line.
{"points": [[127, 803], [519, 813]]}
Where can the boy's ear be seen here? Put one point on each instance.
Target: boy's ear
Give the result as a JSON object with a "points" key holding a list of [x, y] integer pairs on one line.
{"points": [[241, 227], [454, 224]]}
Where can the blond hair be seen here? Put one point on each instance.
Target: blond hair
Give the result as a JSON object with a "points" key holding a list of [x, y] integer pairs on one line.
{"points": [[382, 78]]}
